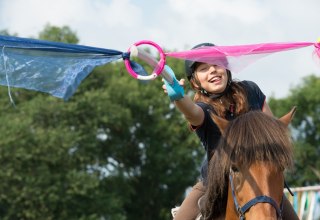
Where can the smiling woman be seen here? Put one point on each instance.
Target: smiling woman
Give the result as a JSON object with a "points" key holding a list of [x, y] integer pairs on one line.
{"points": [[216, 93]]}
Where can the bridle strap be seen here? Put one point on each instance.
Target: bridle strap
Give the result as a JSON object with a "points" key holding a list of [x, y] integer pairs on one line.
{"points": [[238, 207], [259, 199]]}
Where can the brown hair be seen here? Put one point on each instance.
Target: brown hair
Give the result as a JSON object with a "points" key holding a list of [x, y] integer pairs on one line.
{"points": [[251, 137], [236, 95]]}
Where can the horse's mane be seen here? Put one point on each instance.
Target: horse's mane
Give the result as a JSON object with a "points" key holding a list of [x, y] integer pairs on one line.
{"points": [[251, 137]]}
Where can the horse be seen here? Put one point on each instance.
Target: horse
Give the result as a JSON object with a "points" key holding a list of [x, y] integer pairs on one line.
{"points": [[246, 171]]}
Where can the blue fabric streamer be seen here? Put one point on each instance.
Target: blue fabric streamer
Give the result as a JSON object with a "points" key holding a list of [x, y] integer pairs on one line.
{"points": [[51, 67]]}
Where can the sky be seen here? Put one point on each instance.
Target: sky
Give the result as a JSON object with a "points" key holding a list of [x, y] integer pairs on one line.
{"points": [[181, 24]]}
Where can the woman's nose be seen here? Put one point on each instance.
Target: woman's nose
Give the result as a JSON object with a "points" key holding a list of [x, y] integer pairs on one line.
{"points": [[212, 68]]}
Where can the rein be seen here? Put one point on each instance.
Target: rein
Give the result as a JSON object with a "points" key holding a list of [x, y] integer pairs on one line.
{"points": [[259, 199]]}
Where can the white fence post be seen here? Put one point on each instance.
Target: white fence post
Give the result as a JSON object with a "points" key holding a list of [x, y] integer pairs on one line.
{"points": [[306, 202]]}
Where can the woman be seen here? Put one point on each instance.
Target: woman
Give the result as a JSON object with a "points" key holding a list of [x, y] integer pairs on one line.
{"points": [[215, 91]]}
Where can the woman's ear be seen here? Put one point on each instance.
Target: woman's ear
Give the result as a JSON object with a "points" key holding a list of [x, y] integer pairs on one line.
{"points": [[287, 118], [220, 122], [194, 83]]}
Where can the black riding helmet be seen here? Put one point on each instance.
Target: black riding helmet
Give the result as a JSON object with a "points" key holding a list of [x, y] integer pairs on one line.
{"points": [[190, 65], [190, 68]]}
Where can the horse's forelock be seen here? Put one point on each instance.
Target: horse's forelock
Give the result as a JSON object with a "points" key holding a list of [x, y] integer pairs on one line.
{"points": [[256, 136]]}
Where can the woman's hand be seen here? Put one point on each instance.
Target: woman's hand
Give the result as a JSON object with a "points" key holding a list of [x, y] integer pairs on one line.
{"points": [[192, 112], [173, 88], [181, 83]]}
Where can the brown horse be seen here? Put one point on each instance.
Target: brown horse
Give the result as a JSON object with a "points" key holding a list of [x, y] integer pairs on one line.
{"points": [[245, 179]]}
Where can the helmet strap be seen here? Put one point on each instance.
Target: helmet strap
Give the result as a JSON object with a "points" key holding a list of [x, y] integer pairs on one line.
{"points": [[216, 95]]}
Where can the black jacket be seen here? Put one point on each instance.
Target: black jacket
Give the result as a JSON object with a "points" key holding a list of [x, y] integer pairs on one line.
{"points": [[209, 133]]}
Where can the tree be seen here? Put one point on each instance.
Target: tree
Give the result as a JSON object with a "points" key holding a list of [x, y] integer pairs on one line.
{"points": [[58, 34], [7, 33], [305, 129], [116, 150]]}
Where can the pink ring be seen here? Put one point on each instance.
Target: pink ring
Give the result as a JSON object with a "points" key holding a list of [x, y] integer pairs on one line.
{"points": [[157, 71]]}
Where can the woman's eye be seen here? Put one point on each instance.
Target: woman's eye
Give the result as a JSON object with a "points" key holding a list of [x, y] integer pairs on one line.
{"points": [[205, 68]]}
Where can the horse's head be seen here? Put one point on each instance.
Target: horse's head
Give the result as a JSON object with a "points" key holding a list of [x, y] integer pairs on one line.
{"points": [[252, 155]]}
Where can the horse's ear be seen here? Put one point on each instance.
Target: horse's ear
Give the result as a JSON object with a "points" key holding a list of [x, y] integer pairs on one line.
{"points": [[286, 119], [220, 122]]}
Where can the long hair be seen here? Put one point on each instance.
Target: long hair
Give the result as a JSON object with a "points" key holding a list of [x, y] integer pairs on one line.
{"points": [[251, 137], [236, 95]]}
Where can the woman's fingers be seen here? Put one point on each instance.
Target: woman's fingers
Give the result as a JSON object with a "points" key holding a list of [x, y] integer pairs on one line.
{"points": [[181, 82], [164, 88]]}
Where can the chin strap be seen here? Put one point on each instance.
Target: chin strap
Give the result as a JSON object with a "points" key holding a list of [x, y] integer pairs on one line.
{"points": [[216, 95]]}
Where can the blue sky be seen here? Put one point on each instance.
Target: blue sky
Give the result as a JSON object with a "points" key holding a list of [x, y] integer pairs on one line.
{"points": [[180, 24]]}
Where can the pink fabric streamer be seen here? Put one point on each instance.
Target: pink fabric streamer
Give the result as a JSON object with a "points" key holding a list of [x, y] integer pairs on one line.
{"points": [[236, 58]]}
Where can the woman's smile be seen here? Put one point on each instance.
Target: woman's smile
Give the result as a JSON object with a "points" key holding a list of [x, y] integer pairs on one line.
{"points": [[215, 80]]}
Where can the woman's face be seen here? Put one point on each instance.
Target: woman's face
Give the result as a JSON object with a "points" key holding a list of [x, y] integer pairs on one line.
{"points": [[213, 78]]}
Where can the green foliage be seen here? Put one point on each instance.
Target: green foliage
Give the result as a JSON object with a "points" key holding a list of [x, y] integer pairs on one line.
{"points": [[58, 34], [305, 129], [116, 150], [7, 33]]}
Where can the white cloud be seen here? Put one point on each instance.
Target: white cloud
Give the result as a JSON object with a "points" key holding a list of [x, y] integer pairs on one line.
{"points": [[29, 17], [90, 19], [245, 11]]}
